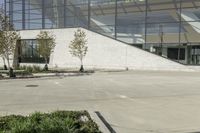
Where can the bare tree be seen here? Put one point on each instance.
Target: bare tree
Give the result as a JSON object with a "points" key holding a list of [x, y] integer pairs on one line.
{"points": [[46, 42], [78, 46]]}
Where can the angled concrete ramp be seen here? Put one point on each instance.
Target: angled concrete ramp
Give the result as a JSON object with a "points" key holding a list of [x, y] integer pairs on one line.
{"points": [[115, 54], [104, 52]]}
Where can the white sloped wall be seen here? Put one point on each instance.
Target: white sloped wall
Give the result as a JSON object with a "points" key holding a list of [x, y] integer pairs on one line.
{"points": [[103, 52]]}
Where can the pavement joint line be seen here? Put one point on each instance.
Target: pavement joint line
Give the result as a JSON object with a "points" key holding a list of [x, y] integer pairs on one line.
{"points": [[105, 122]]}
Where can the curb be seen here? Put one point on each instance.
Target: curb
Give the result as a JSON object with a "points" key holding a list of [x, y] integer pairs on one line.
{"points": [[96, 119], [46, 75], [58, 74]]}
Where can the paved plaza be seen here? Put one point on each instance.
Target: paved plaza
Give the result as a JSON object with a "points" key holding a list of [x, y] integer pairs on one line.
{"points": [[131, 102]]}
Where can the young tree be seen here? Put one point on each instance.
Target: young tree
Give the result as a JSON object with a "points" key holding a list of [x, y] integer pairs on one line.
{"points": [[2, 27], [78, 46], [46, 42], [1, 51], [8, 39]]}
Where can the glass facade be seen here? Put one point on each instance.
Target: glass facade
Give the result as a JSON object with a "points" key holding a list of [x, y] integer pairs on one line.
{"points": [[29, 52], [169, 28]]}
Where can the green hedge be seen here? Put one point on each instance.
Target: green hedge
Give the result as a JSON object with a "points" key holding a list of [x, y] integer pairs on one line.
{"points": [[56, 122]]}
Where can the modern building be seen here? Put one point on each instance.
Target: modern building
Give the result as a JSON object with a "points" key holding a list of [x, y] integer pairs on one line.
{"points": [[139, 34]]}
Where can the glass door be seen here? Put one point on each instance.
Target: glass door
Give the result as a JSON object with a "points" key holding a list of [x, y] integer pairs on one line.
{"points": [[194, 55]]}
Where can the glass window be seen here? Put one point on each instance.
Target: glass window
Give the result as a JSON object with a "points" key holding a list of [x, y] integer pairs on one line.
{"points": [[130, 26], [29, 52], [103, 17], [173, 53]]}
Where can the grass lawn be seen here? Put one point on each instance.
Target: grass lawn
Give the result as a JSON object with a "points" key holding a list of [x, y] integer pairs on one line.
{"points": [[56, 122]]}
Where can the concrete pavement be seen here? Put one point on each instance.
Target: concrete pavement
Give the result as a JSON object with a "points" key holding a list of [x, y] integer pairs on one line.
{"points": [[131, 102]]}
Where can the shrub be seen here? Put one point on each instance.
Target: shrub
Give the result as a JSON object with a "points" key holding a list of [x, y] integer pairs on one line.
{"points": [[31, 69], [56, 122]]}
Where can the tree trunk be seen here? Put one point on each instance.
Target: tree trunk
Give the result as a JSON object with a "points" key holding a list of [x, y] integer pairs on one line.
{"points": [[4, 62], [11, 73], [46, 65], [81, 69], [8, 62]]}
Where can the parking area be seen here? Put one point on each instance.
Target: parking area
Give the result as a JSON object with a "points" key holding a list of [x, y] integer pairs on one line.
{"points": [[130, 101]]}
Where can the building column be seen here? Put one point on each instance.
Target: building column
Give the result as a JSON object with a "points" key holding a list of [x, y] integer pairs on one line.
{"points": [[115, 19], [10, 11], [43, 14], [23, 15], [180, 26], [89, 13], [145, 32], [65, 1]]}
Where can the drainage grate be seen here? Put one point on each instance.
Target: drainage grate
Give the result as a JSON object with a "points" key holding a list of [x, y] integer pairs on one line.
{"points": [[31, 85]]}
